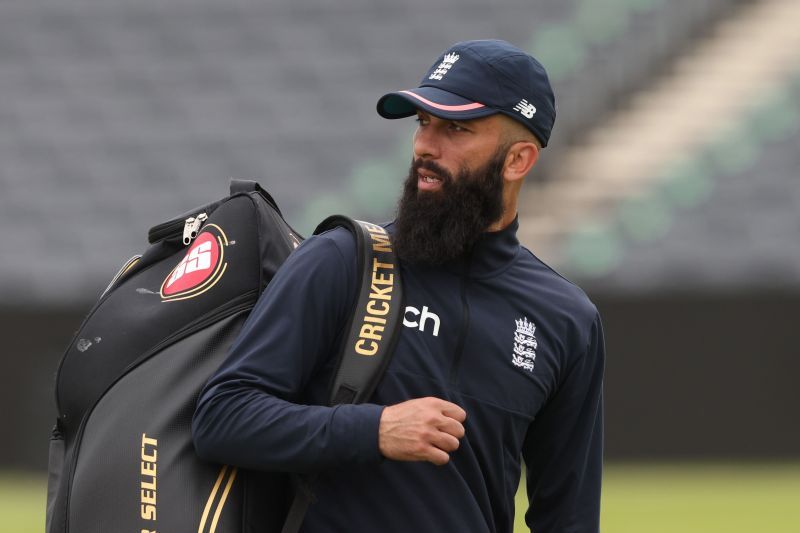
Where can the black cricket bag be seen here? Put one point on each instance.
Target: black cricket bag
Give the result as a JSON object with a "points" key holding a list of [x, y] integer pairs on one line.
{"points": [[121, 453]]}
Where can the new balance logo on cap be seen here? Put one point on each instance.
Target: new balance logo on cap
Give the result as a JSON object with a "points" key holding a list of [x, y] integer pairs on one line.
{"points": [[527, 110]]}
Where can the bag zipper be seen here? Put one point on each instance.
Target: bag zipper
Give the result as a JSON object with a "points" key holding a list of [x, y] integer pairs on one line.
{"points": [[192, 226], [202, 322], [164, 230], [174, 226]]}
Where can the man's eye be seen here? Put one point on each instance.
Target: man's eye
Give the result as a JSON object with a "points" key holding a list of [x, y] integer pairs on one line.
{"points": [[421, 121], [457, 127]]}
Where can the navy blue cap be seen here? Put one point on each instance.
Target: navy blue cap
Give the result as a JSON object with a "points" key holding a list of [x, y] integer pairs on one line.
{"points": [[475, 79]]}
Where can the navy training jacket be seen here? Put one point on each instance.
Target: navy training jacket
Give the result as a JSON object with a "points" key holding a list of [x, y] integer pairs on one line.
{"points": [[499, 333]]}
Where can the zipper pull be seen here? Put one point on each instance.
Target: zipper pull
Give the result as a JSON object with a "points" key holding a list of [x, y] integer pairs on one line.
{"points": [[192, 226]]}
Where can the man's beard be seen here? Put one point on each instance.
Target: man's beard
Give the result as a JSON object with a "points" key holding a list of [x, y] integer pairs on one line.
{"points": [[435, 227]]}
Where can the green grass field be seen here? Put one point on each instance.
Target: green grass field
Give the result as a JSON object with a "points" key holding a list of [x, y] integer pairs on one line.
{"points": [[637, 498], [697, 498]]}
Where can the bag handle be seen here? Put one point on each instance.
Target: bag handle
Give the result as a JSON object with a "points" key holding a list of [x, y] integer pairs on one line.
{"points": [[248, 186]]}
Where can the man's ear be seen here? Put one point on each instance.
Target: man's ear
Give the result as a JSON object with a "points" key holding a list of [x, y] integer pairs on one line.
{"points": [[520, 159]]}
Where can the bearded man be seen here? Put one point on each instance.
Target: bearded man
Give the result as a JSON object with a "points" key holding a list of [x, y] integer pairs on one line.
{"points": [[500, 360]]}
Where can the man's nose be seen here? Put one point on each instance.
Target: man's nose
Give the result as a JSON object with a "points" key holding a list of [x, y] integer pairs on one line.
{"points": [[426, 143]]}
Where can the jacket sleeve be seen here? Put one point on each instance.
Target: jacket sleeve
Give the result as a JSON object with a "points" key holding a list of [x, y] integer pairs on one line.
{"points": [[563, 449], [250, 413]]}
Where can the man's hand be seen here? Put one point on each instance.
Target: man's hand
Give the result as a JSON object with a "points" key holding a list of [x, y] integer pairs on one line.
{"points": [[424, 429]]}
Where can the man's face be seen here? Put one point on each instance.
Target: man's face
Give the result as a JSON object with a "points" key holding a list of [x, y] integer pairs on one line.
{"points": [[453, 146], [453, 193]]}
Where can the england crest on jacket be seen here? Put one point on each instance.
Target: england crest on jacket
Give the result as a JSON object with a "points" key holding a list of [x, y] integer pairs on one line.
{"points": [[525, 344]]}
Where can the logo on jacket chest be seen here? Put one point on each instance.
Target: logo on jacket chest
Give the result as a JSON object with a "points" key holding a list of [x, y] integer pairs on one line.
{"points": [[423, 320], [525, 345]]}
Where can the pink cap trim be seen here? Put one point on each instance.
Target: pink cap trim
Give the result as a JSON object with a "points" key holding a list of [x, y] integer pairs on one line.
{"points": [[465, 107]]}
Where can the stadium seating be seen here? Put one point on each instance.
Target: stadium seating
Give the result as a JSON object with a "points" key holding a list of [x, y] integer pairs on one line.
{"points": [[119, 114], [726, 220]]}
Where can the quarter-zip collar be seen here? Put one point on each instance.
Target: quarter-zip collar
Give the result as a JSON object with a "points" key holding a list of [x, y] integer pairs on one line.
{"points": [[493, 252]]}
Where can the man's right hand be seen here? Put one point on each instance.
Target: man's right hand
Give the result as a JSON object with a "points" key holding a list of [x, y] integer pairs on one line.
{"points": [[423, 429]]}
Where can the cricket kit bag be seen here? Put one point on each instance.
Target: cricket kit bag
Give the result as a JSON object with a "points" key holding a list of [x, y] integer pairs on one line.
{"points": [[121, 453]]}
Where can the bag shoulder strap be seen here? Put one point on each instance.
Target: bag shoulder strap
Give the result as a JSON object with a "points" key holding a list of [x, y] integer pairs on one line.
{"points": [[372, 333], [373, 327]]}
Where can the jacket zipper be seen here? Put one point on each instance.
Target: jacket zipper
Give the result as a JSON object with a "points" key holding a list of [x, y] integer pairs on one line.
{"points": [[177, 336], [462, 339]]}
